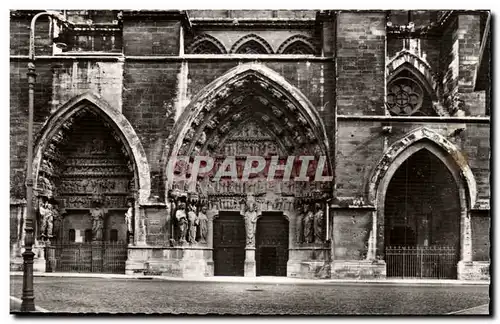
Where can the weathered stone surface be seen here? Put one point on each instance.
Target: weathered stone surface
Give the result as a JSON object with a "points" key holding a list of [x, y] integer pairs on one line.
{"points": [[358, 269], [473, 270], [144, 87]]}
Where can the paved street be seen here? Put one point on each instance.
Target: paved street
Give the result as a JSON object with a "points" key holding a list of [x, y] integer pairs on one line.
{"points": [[157, 296]]}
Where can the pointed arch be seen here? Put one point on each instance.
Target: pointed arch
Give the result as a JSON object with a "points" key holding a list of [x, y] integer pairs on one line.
{"points": [[257, 41], [302, 42], [214, 97], [62, 118], [422, 138], [206, 44], [406, 60]]}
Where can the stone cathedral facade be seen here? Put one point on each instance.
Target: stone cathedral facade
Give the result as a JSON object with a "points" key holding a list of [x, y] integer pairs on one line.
{"points": [[394, 104]]}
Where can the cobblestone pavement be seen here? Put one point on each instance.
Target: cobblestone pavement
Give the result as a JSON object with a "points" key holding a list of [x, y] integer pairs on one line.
{"points": [[157, 296]]}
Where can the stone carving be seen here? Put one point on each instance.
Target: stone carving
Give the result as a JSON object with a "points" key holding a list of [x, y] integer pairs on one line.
{"points": [[192, 223], [129, 217], [84, 202], [308, 226], [91, 170], [97, 214], [181, 217], [58, 216], [95, 186], [318, 223], [299, 227], [197, 121], [47, 218], [260, 185], [203, 224], [250, 212]]}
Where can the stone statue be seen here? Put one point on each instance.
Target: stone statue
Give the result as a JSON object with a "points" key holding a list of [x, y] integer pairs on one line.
{"points": [[97, 214], [57, 218], [129, 218], [250, 213], [203, 224], [318, 224], [193, 223], [181, 217], [308, 226], [299, 225], [47, 217]]}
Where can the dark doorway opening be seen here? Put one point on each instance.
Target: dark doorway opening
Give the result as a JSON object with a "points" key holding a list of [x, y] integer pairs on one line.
{"points": [[229, 244], [272, 244], [402, 236], [422, 219]]}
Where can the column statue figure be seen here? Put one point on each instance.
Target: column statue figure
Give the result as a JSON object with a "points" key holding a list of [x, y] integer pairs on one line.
{"points": [[250, 213], [47, 218], [318, 223], [299, 225], [203, 224], [181, 217], [129, 219], [308, 225], [57, 219], [97, 214], [193, 223]]}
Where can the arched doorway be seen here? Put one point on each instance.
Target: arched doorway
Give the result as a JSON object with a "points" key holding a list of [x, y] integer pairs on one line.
{"points": [[85, 164], [272, 244], [422, 219], [251, 111]]}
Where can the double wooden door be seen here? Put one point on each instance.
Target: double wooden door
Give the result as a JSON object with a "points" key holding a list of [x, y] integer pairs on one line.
{"points": [[229, 244]]}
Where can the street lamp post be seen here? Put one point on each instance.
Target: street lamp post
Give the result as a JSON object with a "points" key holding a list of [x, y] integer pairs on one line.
{"points": [[28, 299]]}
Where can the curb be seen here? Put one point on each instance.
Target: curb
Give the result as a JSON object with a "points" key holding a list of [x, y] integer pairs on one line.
{"points": [[269, 280], [18, 301], [468, 311]]}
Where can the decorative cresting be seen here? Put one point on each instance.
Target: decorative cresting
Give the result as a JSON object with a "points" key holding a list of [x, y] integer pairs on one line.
{"points": [[422, 133], [297, 44], [205, 44], [54, 133], [251, 44], [421, 71], [251, 110]]}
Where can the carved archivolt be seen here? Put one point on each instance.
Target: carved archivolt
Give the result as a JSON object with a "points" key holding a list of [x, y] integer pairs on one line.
{"points": [[205, 44], [297, 44], [55, 134], [250, 111], [406, 58], [251, 44], [417, 135]]}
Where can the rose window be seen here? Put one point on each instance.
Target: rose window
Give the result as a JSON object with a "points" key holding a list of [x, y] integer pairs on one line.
{"points": [[404, 97]]}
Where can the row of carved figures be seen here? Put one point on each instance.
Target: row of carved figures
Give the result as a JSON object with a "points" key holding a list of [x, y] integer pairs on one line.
{"points": [[51, 218], [310, 223], [191, 225]]}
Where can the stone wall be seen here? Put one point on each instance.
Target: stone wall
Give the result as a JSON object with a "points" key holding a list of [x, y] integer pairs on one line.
{"points": [[151, 36], [360, 63], [151, 85]]}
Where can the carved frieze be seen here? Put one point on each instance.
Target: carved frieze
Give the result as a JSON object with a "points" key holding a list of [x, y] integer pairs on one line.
{"points": [[100, 185], [261, 186], [85, 201], [96, 171], [246, 148], [263, 204]]}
